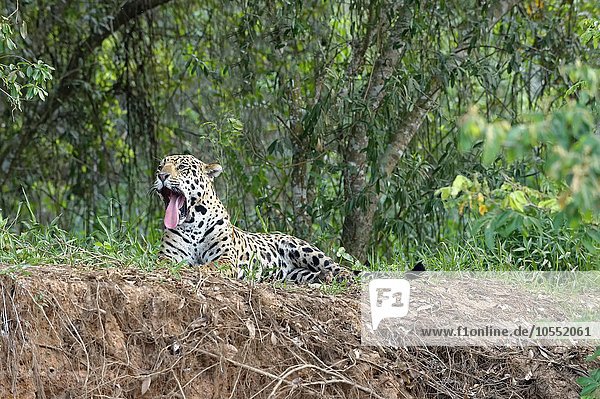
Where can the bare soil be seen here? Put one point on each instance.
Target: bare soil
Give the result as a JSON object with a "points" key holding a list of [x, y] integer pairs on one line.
{"points": [[77, 333]]}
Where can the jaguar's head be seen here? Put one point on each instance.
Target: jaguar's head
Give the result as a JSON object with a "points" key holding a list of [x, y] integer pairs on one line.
{"points": [[181, 180]]}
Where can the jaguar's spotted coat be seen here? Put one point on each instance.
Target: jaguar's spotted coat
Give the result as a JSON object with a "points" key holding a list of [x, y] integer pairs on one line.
{"points": [[198, 230]]}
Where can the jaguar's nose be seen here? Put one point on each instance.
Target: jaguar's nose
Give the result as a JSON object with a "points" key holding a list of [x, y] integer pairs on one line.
{"points": [[163, 176]]}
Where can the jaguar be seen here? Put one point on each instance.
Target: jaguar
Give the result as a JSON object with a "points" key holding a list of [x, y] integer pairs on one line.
{"points": [[198, 231]]}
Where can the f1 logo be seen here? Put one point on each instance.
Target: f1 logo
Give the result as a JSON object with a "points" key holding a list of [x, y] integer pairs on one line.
{"points": [[389, 298]]}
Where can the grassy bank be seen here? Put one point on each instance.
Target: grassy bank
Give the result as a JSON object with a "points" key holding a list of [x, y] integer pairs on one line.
{"points": [[122, 246]]}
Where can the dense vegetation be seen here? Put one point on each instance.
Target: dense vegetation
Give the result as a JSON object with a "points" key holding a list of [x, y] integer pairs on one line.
{"points": [[463, 132]]}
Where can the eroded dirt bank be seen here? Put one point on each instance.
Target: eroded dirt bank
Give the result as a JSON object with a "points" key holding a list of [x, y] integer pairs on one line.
{"points": [[76, 333]]}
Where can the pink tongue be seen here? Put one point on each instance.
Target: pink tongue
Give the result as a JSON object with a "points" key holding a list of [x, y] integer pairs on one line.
{"points": [[172, 213]]}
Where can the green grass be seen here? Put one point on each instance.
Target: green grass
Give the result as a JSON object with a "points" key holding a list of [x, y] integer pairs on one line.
{"points": [[120, 245], [558, 253], [37, 244], [468, 255]]}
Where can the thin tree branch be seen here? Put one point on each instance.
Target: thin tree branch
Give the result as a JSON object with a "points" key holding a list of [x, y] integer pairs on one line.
{"points": [[403, 136]]}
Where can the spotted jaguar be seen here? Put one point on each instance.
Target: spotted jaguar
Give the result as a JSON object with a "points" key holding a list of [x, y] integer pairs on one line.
{"points": [[198, 230]]}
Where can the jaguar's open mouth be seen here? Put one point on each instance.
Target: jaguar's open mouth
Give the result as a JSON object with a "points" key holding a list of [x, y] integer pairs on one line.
{"points": [[176, 205]]}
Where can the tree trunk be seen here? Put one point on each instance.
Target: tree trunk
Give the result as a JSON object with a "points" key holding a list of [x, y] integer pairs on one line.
{"points": [[357, 226], [300, 147], [359, 194]]}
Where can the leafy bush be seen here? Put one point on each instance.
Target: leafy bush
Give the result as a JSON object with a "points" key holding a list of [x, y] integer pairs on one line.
{"points": [[22, 75], [551, 213], [590, 385]]}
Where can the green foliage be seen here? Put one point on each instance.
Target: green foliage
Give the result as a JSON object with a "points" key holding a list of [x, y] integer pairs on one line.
{"points": [[591, 32], [272, 91], [40, 244], [22, 78], [562, 145], [512, 230], [590, 385], [556, 207], [348, 260]]}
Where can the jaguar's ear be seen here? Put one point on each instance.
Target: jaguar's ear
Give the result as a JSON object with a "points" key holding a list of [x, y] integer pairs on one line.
{"points": [[213, 170]]}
